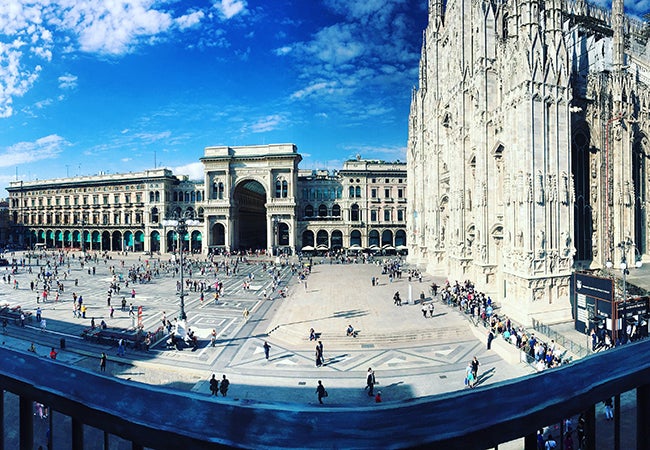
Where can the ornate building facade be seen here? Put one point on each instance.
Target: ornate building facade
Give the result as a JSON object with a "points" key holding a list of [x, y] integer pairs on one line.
{"points": [[528, 146], [252, 197]]}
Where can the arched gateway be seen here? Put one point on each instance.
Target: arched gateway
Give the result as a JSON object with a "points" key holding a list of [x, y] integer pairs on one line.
{"points": [[251, 197]]}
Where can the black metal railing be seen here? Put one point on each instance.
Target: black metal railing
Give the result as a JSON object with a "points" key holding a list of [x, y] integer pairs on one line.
{"points": [[477, 418]]}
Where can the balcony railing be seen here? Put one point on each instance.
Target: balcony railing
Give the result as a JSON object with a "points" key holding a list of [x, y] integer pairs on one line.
{"points": [[469, 419]]}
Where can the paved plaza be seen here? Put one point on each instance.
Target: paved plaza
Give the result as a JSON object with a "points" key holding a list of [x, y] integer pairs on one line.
{"points": [[412, 356]]}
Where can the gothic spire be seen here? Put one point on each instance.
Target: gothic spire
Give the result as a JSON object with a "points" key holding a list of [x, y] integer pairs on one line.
{"points": [[618, 19]]}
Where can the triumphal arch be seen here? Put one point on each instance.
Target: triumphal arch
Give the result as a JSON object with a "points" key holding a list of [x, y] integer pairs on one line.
{"points": [[250, 196]]}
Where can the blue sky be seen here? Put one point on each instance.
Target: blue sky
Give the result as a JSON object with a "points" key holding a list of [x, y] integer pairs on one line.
{"points": [[127, 85]]}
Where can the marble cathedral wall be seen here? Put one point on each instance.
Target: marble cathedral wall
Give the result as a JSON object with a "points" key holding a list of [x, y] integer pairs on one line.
{"points": [[527, 144]]}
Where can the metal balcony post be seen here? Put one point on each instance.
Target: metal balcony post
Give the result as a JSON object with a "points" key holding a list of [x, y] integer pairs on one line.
{"points": [[643, 417], [26, 414], [77, 434], [2, 419]]}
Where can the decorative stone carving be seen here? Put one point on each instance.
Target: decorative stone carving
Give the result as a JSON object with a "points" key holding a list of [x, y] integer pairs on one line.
{"points": [[539, 188]]}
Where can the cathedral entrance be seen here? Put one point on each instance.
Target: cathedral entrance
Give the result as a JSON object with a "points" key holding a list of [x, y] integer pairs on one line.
{"points": [[250, 216]]}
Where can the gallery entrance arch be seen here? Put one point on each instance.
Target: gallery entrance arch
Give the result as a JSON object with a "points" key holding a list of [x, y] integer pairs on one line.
{"points": [[250, 216]]}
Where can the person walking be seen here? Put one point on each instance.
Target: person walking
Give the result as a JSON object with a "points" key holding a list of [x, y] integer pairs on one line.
{"points": [[609, 409], [319, 346], [320, 392], [38, 314], [319, 357], [370, 382], [43, 324], [267, 349], [475, 365], [214, 386], [225, 384], [102, 362], [213, 337], [246, 313]]}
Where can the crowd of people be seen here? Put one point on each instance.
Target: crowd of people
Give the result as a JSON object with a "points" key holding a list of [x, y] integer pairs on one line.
{"points": [[480, 307]]}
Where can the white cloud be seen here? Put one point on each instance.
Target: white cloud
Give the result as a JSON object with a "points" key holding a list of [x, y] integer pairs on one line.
{"points": [[153, 137], [189, 20], [47, 147], [268, 123], [283, 50], [230, 8], [319, 88], [336, 44], [193, 170], [67, 81], [112, 28], [15, 77]]}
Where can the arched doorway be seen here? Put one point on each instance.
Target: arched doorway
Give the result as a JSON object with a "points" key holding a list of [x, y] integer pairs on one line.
{"points": [[308, 240], [283, 234], [139, 241], [102, 242], [116, 242], [218, 235], [337, 240], [355, 238], [250, 200], [128, 241], [195, 242], [154, 243], [400, 238], [373, 238]]}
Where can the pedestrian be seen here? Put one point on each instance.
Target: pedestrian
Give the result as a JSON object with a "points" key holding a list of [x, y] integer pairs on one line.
{"points": [[111, 312], [431, 309], [83, 311], [246, 313], [43, 324], [22, 319], [213, 337], [475, 364], [319, 356], [550, 443], [378, 397], [53, 353], [609, 409], [120, 347], [214, 386], [469, 376], [38, 314], [321, 392], [320, 349], [224, 386], [102, 362], [490, 338], [424, 310], [370, 382], [267, 348]]}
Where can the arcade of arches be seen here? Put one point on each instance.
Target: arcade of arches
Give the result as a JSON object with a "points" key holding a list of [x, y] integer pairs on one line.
{"points": [[116, 240]]}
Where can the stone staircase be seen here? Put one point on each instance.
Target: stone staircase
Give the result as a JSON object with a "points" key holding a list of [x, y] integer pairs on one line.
{"points": [[292, 335]]}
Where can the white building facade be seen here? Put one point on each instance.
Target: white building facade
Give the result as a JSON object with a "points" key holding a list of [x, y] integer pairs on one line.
{"points": [[527, 146]]}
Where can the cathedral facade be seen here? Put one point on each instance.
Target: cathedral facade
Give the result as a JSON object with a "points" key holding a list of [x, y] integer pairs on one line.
{"points": [[528, 147]]}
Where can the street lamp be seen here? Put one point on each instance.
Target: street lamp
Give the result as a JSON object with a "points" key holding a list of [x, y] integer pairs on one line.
{"points": [[275, 250], [83, 241], [624, 246], [180, 224]]}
